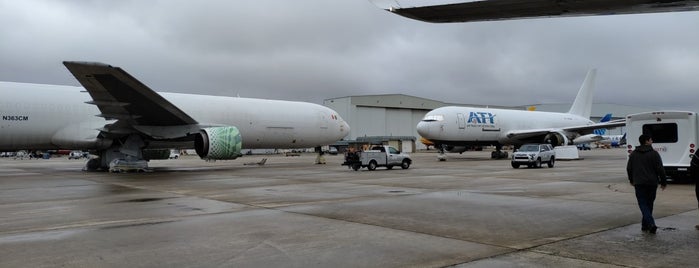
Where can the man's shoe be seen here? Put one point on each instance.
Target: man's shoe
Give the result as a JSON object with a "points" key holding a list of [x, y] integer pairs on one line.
{"points": [[696, 227], [653, 229]]}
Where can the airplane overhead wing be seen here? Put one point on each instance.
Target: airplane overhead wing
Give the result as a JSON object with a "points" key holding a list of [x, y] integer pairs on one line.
{"points": [[488, 10], [120, 96]]}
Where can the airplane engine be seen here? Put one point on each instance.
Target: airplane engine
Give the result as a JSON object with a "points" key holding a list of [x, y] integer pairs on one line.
{"points": [[218, 143], [556, 139]]}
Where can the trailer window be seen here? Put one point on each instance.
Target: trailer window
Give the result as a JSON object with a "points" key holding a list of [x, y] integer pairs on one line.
{"points": [[661, 133]]}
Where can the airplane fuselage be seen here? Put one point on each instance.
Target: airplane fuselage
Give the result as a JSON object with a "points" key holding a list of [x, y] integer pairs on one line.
{"points": [[36, 116], [484, 126]]}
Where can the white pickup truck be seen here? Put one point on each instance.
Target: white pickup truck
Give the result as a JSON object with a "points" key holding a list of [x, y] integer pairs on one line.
{"points": [[378, 156]]}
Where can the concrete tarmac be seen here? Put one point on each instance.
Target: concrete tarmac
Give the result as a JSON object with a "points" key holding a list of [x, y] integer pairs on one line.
{"points": [[469, 211]]}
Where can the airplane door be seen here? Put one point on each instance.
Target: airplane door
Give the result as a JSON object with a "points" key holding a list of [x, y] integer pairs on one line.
{"points": [[461, 120]]}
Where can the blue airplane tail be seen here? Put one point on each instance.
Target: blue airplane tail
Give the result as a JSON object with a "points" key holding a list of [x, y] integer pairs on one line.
{"points": [[602, 131]]}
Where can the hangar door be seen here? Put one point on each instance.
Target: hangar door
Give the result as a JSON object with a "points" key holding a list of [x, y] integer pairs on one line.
{"points": [[369, 122], [377, 121], [399, 122]]}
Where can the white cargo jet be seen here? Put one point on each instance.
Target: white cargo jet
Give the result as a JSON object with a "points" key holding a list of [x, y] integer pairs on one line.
{"points": [[489, 10], [115, 116], [453, 126]]}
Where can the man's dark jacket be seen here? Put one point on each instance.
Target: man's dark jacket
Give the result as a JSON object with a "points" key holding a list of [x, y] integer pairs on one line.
{"points": [[645, 167], [694, 167]]}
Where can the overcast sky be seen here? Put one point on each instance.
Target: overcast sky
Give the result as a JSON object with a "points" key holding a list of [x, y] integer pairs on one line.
{"points": [[311, 50]]}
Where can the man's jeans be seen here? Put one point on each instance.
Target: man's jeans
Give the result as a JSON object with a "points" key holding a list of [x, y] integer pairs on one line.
{"points": [[645, 195]]}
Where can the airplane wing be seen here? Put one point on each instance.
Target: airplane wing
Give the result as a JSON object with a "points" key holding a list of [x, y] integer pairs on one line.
{"points": [[121, 97], [587, 129], [488, 10], [582, 130], [529, 133]]}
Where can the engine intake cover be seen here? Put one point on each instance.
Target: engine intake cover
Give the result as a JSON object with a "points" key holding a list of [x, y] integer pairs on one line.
{"points": [[218, 143]]}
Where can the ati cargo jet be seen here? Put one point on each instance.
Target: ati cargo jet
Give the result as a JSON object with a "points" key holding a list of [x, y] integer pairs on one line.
{"points": [[115, 116], [455, 126]]}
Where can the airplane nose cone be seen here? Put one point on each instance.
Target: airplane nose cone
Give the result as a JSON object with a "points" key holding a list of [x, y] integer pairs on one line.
{"points": [[423, 128], [342, 127]]}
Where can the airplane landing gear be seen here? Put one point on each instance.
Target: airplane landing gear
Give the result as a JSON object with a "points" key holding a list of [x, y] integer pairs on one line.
{"points": [[129, 151], [441, 156], [498, 153]]}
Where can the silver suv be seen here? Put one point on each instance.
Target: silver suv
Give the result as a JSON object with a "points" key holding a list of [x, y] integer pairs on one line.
{"points": [[533, 155]]}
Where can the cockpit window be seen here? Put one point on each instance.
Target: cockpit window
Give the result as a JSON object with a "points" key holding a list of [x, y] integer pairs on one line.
{"points": [[436, 117]]}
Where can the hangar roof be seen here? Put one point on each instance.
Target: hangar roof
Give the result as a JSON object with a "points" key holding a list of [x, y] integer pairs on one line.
{"points": [[402, 101], [412, 102], [393, 101]]}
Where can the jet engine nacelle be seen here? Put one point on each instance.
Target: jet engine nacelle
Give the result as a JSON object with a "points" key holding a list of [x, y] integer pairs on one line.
{"points": [[218, 143], [556, 139]]}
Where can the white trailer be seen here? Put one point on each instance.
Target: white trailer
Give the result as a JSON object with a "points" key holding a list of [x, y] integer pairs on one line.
{"points": [[674, 136]]}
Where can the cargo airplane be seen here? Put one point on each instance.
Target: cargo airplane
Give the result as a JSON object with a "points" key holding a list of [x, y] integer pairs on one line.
{"points": [[453, 126], [490, 10], [115, 116]]}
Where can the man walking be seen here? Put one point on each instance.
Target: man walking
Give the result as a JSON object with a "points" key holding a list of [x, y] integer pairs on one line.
{"points": [[694, 173], [645, 170]]}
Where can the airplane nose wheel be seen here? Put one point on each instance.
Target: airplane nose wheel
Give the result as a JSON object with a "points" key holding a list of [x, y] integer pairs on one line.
{"points": [[441, 156]]}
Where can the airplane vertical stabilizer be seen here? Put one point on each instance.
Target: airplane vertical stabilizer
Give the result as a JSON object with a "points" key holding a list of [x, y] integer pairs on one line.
{"points": [[582, 106]]}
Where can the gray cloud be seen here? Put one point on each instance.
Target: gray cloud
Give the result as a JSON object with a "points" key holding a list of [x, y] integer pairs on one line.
{"points": [[313, 50]]}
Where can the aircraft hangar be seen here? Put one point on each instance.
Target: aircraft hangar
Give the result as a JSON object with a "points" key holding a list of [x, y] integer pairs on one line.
{"points": [[383, 115], [397, 114]]}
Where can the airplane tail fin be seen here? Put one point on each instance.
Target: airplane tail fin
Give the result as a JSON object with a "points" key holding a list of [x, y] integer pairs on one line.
{"points": [[602, 131], [582, 106]]}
